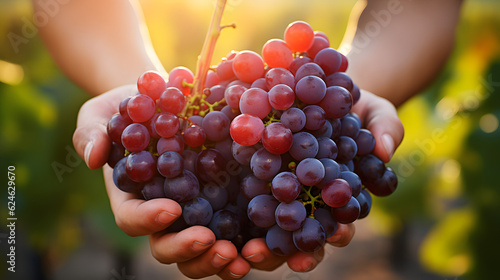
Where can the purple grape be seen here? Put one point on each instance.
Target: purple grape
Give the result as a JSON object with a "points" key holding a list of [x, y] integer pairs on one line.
{"points": [[315, 117], [261, 210], [350, 126], [252, 186], [141, 166], [365, 203], [353, 180], [347, 149], [304, 146], [310, 171], [264, 164], [170, 164], [116, 153], [310, 237], [294, 119], [197, 212], [326, 220], [182, 188], [384, 185], [225, 225], [332, 171], [123, 181], [286, 187], [347, 213], [310, 89], [365, 142], [217, 196], [154, 188], [290, 216], [280, 241], [326, 148], [216, 126], [211, 166]]}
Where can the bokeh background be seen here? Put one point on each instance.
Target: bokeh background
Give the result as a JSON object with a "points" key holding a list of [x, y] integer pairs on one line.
{"points": [[443, 222]]}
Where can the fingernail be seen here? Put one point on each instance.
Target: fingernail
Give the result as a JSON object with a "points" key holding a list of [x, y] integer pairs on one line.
{"points": [[198, 246], [388, 144], [87, 151], [219, 261], [309, 268], [234, 275], [165, 217], [255, 258]]}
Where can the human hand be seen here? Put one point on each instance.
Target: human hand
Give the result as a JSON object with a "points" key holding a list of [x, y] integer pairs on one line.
{"points": [[194, 249]]}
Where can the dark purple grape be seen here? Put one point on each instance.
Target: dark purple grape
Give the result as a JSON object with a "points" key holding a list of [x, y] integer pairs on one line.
{"points": [[216, 94], [190, 157], [310, 171], [369, 168], [182, 188], [340, 79], [326, 148], [325, 131], [216, 195], [230, 112], [365, 203], [211, 166], [347, 149], [280, 241], [309, 69], [170, 164], [310, 89], [336, 128], [294, 119], [310, 237], [197, 212], [356, 94], [123, 181], [304, 146], [252, 186], [385, 185], [154, 188], [350, 126], [243, 154], [286, 187], [315, 117], [225, 224], [291, 216], [327, 221], [332, 171], [264, 164], [337, 102], [141, 166], [365, 142], [353, 180], [347, 213], [216, 126], [329, 59], [116, 153], [224, 147], [115, 127], [261, 210]]}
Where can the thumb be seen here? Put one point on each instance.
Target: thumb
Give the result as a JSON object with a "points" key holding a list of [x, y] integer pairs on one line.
{"points": [[90, 139], [379, 116]]}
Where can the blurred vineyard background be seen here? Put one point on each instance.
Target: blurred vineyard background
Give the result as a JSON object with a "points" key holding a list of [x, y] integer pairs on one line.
{"points": [[443, 222]]}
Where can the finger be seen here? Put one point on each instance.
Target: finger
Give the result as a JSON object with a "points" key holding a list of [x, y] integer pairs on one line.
{"points": [[211, 262], [181, 246], [304, 262], [90, 139], [258, 254], [137, 216], [342, 236], [380, 117], [236, 269]]}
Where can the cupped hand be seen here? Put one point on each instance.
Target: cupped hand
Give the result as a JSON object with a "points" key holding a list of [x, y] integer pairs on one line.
{"points": [[195, 250]]}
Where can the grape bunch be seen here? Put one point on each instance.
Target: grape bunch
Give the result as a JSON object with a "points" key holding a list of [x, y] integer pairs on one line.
{"points": [[269, 149]]}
